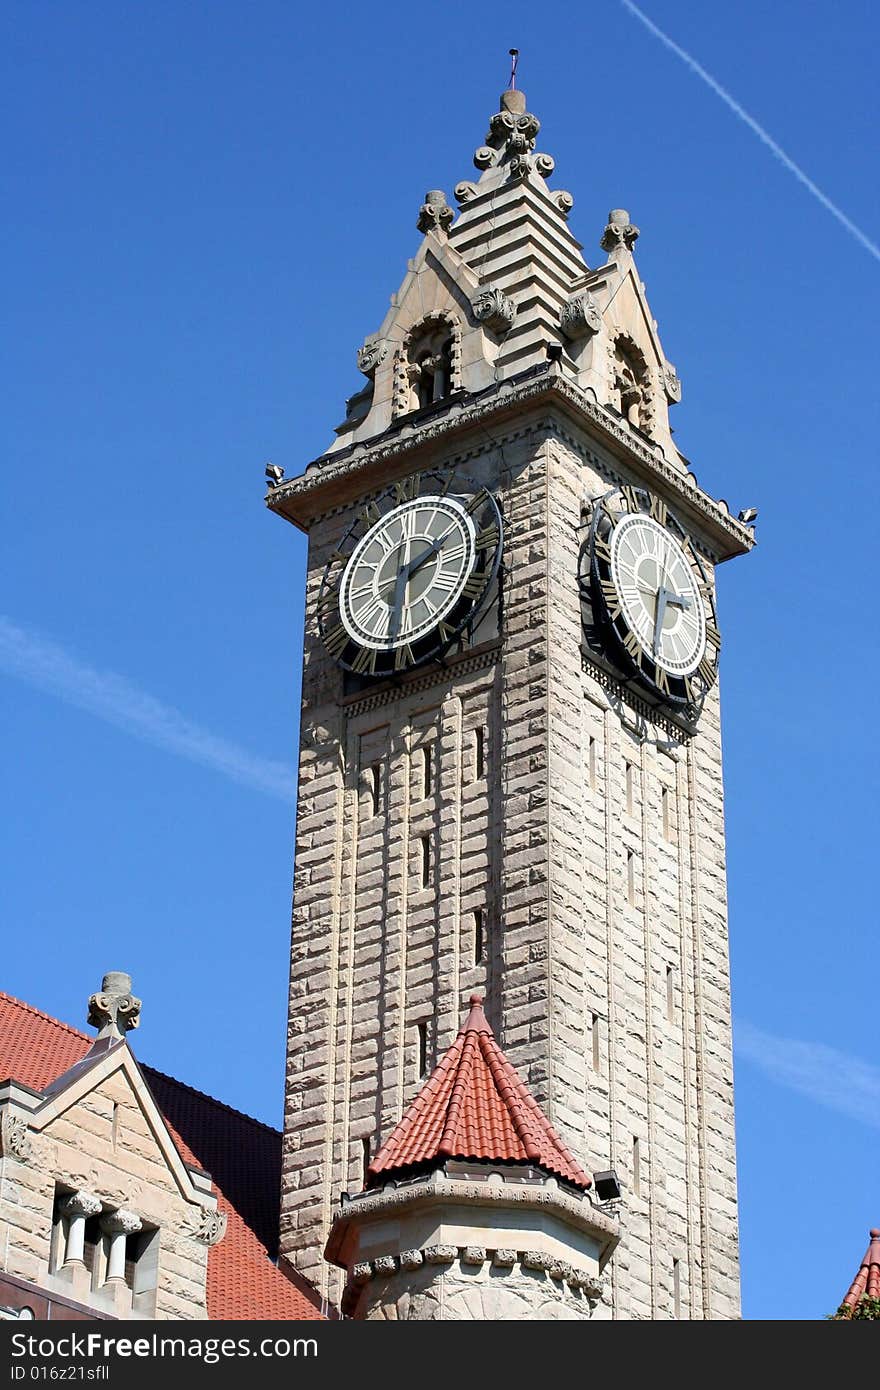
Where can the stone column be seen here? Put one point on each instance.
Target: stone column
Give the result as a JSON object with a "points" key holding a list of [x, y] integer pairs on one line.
{"points": [[119, 1225], [78, 1207]]}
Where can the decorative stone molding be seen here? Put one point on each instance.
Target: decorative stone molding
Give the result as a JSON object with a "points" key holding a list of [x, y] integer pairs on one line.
{"points": [[563, 200], [504, 1259], [15, 1138], [409, 363], [619, 233], [493, 308], [484, 157], [734, 538], [371, 355], [465, 192], [544, 165], [114, 1010], [435, 214], [411, 1259], [520, 167], [630, 375], [473, 1255], [384, 1265], [81, 1204], [361, 1273], [212, 1226], [536, 1259], [580, 316], [439, 1254], [121, 1222]]}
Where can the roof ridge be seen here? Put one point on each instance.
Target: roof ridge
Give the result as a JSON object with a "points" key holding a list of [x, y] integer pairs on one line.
{"points": [[455, 1103], [203, 1095]]}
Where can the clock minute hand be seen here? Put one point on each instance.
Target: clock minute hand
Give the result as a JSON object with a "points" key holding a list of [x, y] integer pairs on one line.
{"points": [[426, 554], [666, 598]]}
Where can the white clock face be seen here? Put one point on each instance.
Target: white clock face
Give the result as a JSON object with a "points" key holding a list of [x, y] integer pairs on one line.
{"points": [[658, 593], [407, 573]]}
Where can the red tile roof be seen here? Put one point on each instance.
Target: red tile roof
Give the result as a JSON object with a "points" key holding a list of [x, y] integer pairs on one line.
{"points": [[474, 1106], [242, 1155], [867, 1281]]}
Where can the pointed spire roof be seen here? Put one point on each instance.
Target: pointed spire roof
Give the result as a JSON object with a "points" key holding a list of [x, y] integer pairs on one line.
{"points": [[867, 1282], [474, 1107]]}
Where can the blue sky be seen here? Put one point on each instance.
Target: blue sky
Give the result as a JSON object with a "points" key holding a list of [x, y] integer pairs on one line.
{"points": [[210, 205]]}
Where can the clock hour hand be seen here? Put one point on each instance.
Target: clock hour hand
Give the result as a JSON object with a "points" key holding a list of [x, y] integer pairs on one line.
{"points": [[666, 598], [426, 554]]}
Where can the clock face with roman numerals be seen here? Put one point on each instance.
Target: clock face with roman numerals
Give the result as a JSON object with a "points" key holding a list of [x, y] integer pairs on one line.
{"points": [[654, 592], [411, 573]]}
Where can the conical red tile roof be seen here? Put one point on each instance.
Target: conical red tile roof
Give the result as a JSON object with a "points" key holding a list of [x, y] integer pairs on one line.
{"points": [[867, 1281], [474, 1106]]}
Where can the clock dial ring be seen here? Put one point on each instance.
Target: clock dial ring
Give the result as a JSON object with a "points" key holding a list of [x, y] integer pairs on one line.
{"points": [[658, 594]]}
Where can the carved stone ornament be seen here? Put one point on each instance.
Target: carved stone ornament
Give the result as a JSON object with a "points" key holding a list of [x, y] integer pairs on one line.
{"points": [[672, 384], [536, 1259], [563, 200], [114, 1010], [384, 1266], [212, 1226], [484, 157], [619, 232], [473, 1255], [504, 1259], [580, 316], [435, 214], [371, 355], [440, 1254], [121, 1222], [520, 167], [361, 1273], [81, 1204], [465, 192], [411, 1259], [15, 1138], [493, 308]]}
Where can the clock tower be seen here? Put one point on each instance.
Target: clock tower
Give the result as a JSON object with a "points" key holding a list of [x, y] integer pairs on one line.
{"points": [[510, 771]]}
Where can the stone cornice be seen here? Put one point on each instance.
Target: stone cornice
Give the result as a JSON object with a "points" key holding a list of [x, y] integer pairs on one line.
{"points": [[334, 479], [577, 1212]]}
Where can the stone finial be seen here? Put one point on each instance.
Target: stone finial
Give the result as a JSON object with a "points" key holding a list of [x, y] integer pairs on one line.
{"points": [[114, 1010], [511, 140], [619, 232], [435, 214]]}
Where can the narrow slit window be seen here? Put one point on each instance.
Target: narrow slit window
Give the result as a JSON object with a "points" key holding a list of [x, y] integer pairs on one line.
{"points": [[365, 1160], [375, 787], [596, 1039], [676, 1288], [630, 788], [423, 1050], [636, 1167], [670, 993], [426, 771], [666, 812], [426, 861], [630, 877], [114, 1125], [479, 941], [479, 753], [591, 764]]}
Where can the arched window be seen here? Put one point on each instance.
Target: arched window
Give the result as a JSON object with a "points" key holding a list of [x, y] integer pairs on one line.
{"points": [[428, 364]]}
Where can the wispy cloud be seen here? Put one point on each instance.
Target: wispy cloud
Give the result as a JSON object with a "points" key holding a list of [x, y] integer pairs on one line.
{"points": [[45, 664], [753, 125], [822, 1074]]}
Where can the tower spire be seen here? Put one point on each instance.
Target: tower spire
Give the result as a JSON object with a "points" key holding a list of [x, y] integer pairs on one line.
{"points": [[514, 63]]}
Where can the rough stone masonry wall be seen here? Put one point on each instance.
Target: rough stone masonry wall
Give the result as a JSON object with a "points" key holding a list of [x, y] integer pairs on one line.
{"points": [[610, 1044]]}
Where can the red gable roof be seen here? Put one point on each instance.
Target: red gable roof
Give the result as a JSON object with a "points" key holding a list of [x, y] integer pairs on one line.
{"points": [[242, 1155], [474, 1106], [867, 1282]]}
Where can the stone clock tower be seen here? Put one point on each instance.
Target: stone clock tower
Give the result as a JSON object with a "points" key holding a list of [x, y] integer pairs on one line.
{"points": [[510, 756]]}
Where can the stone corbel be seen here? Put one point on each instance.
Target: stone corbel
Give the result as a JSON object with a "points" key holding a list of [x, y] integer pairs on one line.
{"points": [[580, 317], [672, 384], [15, 1138], [494, 309], [372, 355]]}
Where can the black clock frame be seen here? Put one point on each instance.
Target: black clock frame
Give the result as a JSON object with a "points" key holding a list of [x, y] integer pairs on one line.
{"points": [[368, 662], [680, 694]]}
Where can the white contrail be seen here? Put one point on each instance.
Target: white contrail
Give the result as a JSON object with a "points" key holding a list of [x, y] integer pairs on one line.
{"points": [[43, 663], [761, 133], [824, 1075]]}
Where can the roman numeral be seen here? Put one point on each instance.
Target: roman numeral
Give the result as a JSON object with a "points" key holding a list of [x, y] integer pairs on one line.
{"points": [[659, 510], [403, 657], [474, 585], [370, 515], [328, 602], [365, 662], [633, 646], [488, 538], [602, 550], [713, 637], [407, 489], [661, 680], [706, 670], [477, 501], [611, 597], [336, 639], [445, 632], [631, 498], [690, 689]]}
